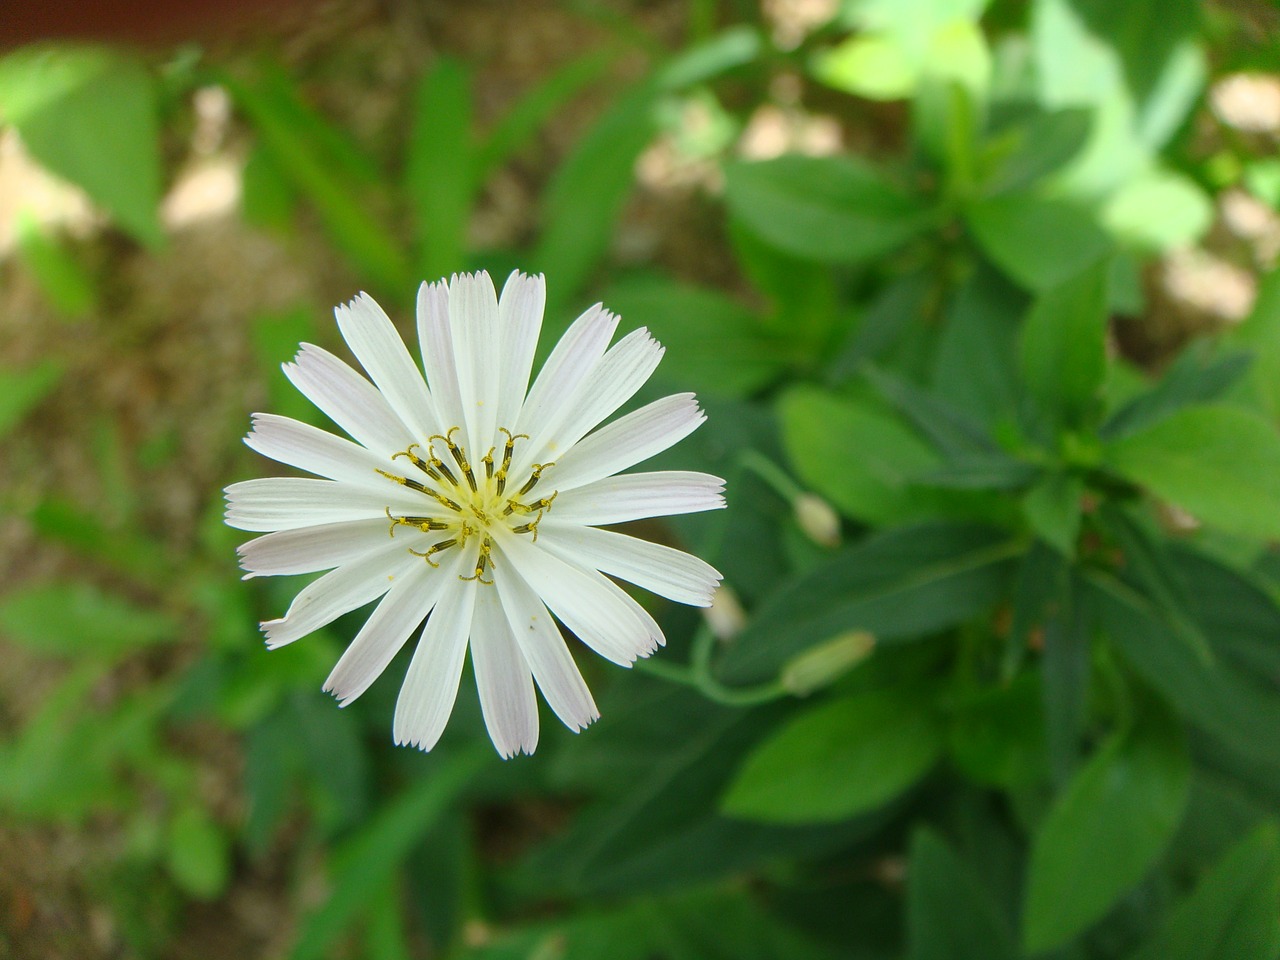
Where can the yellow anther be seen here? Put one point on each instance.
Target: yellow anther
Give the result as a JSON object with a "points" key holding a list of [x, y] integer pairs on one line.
{"points": [[482, 563]]}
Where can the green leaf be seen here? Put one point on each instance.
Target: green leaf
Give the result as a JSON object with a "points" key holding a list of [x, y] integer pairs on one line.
{"points": [[368, 859], [67, 286], [21, 391], [1052, 507], [1104, 832], [1158, 212], [197, 855], [1260, 333], [1201, 373], [1236, 610], [1037, 240], [859, 458], [898, 585], [830, 209], [997, 734], [1220, 463], [79, 620], [89, 114], [1023, 153], [836, 760], [949, 914], [1065, 673], [875, 66], [1062, 355], [1232, 914], [439, 176], [714, 344], [951, 431]]}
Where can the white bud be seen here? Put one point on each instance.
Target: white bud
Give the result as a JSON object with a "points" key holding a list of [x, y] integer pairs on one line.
{"points": [[817, 519]]}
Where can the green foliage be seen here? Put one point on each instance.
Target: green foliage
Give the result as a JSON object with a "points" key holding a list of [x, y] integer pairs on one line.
{"points": [[1039, 670]]}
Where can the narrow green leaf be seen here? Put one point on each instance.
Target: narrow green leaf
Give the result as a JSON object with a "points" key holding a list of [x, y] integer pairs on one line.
{"points": [[1200, 374], [830, 209], [1052, 507], [1062, 355], [1065, 675], [1104, 832], [897, 585], [197, 856], [64, 282], [997, 734], [1220, 463], [949, 914], [21, 391], [837, 760], [440, 177], [1021, 154], [77, 619], [89, 114], [861, 459], [1039, 241], [1260, 334], [368, 860], [1233, 913]]}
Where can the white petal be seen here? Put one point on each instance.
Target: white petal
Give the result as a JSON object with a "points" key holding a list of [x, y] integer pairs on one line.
{"points": [[520, 312], [634, 496], [401, 611], [340, 591], [309, 549], [586, 606], [316, 451], [502, 678], [431, 685], [620, 373], [570, 363], [348, 399], [436, 341], [288, 503], [546, 652], [659, 569], [627, 441], [372, 337], [473, 320]]}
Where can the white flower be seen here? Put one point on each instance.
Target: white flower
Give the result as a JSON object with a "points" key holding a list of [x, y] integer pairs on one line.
{"points": [[471, 505]]}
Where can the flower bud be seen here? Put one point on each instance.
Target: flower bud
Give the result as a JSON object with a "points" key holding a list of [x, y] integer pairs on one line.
{"points": [[817, 519], [824, 664], [725, 616]]}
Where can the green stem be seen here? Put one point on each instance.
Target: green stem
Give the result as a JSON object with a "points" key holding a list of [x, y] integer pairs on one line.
{"points": [[770, 473], [697, 674]]}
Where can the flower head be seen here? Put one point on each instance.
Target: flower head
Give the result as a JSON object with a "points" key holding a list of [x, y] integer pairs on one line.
{"points": [[468, 503]]}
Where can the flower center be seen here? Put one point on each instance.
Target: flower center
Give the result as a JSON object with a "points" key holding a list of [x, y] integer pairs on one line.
{"points": [[460, 505]]}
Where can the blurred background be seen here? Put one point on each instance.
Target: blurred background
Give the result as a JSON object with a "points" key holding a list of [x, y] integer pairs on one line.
{"points": [[978, 298]]}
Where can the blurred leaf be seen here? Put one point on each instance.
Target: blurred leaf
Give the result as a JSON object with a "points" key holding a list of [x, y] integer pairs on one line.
{"points": [[898, 585], [857, 457], [997, 735], [22, 391], [1040, 242], [951, 431], [1220, 463], [64, 282], [1024, 153], [875, 66], [1158, 212], [267, 197], [806, 308], [830, 209], [1052, 507], [123, 550], [1062, 355], [272, 758], [1065, 672], [440, 176], [534, 108], [1232, 913], [197, 854], [1201, 373], [1237, 612], [78, 620], [886, 320], [89, 114], [320, 162], [836, 760], [366, 861], [1260, 333], [1104, 831], [949, 915], [714, 344]]}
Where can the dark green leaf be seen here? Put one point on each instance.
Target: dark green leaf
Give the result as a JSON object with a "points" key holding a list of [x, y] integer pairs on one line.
{"points": [[997, 734], [1232, 914], [898, 585], [1065, 675], [1040, 242], [949, 914], [1220, 463], [1237, 612], [894, 311], [952, 431], [67, 286], [1104, 831], [89, 114], [837, 760], [1200, 374], [1062, 355], [823, 208], [1260, 334], [440, 177], [714, 344], [78, 620], [197, 855], [1052, 507], [1026, 152]]}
